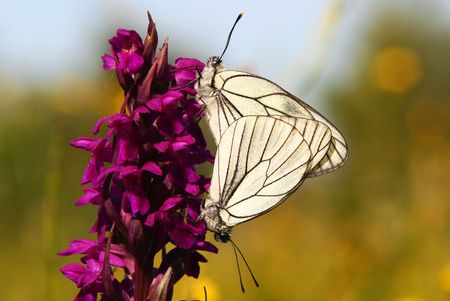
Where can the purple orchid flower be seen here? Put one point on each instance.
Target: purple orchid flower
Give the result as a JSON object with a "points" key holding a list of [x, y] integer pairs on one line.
{"points": [[127, 48], [142, 177]]}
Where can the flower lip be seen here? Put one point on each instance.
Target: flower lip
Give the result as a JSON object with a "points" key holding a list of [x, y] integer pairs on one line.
{"points": [[186, 70], [127, 48], [126, 40]]}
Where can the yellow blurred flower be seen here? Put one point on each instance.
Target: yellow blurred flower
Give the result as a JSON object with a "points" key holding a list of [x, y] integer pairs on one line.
{"points": [[396, 69], [444, 279]]}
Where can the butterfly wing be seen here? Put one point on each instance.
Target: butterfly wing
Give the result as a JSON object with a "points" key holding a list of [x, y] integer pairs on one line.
{"points": [[260, 161], [241, 94], [316, 134]]}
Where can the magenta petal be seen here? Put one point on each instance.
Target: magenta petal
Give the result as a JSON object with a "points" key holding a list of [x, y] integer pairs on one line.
{"points": [[89, 278], [172, 203], [183, 62], [132, 200], [152, 167], [187, 70], [74, 272], [126, 40], [140, 110], [177, 202], [79, 246], [93, 265], [193, 189], [162, 146], [129, 62], [179, 145], [194, 268], [151, 219], [164, 124], [193, 213], [134, 62], [197, 228], [119, 250], [206, 246], [106, 172], [108, 62], [171, 98], [126, 151], [178, 127], [138, 202], [129, 170], [188, 139], [86, 143], [155, 104], [99, 123], [90, 171], [182, 237], [206, 186], [118, 119], [90, 196], [114, 260], [191, 175]]}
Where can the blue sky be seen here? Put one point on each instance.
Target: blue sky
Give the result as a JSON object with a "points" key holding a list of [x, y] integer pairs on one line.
{"points": [[285, 40], [43, 40]]}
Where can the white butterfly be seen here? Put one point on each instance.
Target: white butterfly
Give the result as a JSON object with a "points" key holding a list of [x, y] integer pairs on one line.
{"points": [[260, 161], [268, 141], [229, 95]]}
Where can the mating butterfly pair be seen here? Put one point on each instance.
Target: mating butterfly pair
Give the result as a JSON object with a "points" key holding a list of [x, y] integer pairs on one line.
{"points": [[268, 143]]}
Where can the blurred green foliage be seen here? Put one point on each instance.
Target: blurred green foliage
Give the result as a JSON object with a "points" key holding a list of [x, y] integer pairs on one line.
{"points": [[377, 229]]}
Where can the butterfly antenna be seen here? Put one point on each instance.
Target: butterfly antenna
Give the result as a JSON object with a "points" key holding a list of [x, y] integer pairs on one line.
{"points": [[206, 295], [239, 269], [229, 35], [198, 72], [246, 264]]}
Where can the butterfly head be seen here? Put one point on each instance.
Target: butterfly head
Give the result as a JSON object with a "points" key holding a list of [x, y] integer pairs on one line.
{"points": [[214, 62], [222, 237], [205, 84]]}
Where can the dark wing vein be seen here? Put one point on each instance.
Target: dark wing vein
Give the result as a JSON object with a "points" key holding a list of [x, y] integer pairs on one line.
{"points": [[236, 168], [249, 145], [283, 93], [222, 197], [271, 195], [279, 166], [284, 142], [234, 185]]}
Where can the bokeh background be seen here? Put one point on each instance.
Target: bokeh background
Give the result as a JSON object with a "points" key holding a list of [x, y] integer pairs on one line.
{"points": [[377, 229]]}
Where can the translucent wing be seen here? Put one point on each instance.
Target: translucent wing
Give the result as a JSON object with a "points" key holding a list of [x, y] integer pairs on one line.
{"points": [[260, 161], [316, 134], [241, 94]]}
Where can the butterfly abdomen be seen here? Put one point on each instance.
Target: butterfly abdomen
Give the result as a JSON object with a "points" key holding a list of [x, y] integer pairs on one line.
{"points": [[214, 223]]}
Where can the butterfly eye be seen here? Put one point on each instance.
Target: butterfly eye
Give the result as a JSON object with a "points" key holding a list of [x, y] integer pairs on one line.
{"points": [[222, 237], [214, 61], [217, 61]]}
